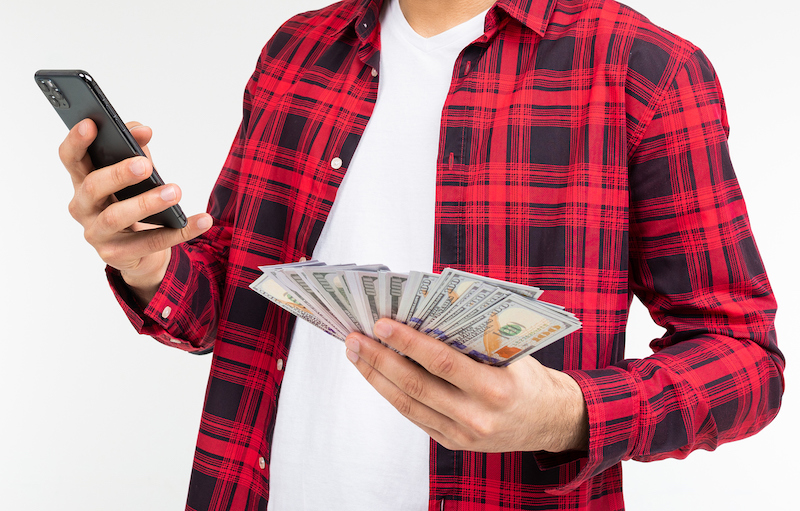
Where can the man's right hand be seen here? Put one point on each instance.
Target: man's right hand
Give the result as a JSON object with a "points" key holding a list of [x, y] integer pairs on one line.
{"points": [[140, 252]]}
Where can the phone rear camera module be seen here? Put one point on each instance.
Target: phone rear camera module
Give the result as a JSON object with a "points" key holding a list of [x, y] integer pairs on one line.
{"points": [[54, 95]]}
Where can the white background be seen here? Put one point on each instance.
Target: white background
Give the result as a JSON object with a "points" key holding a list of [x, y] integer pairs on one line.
{"points": [[93, 417]]}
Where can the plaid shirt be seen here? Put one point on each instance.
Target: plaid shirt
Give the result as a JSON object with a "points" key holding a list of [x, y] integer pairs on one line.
{"points": [[582, 150]]}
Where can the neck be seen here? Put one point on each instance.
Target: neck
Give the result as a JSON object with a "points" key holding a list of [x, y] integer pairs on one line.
{"points": [[431, 17]]}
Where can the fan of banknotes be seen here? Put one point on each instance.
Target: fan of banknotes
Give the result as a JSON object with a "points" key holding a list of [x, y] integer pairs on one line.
{"points": [[492, 321]]}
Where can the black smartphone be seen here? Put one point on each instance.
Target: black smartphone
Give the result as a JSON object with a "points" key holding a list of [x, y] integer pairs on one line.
{"points": [[76, 96]]}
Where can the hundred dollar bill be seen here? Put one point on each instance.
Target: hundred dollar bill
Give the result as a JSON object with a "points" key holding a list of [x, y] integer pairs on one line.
{"points": [[520, 289], [448, 289], [467, 301], [417, 288], [275, 291], [305, 293], [452, 285], [465, 312], [364, 286], [390, 291], [299, 264], [512, 328], [328, 283]]}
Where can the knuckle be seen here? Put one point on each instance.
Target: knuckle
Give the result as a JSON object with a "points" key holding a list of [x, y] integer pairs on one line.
{"points": [[120, 176], [456, 439], [185, 234], [143, 203], [89, 236], [89, 185], [370, 374], [404, 340], [109, 219], [411, 383], [443, 364], [74, 208], [64, 152], [481, 428], [404, 404], [155, 241], [451, 445], [377, 360], [470, 441], [493, 394], [107, 252]]}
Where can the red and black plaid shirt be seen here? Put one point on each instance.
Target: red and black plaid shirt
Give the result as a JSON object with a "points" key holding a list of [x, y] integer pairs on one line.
{"points": [[582, 150]]}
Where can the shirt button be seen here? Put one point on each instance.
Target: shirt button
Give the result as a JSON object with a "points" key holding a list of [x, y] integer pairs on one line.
{"points": [[280, 364], [262, 463], [176, 341], [374, 72], [166, 312], [336, 163]]}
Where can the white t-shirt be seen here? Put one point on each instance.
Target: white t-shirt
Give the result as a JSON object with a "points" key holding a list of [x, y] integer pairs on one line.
{"points": [[338, 445]]}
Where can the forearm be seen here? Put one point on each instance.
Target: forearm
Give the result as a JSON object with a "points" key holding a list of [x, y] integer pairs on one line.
{"points": [[145, 285], [568, 426]]}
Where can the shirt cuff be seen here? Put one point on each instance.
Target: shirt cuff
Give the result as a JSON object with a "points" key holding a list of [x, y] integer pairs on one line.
{"points": [[163, 316], [613, 406]]}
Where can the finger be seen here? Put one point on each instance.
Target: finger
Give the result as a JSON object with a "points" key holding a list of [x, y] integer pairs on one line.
{"points": [[142, 134], [121, 215], [137, 245], [427, 417], [72, 150], [411, 379], [92, 196], [441, 438], [437, 357]]}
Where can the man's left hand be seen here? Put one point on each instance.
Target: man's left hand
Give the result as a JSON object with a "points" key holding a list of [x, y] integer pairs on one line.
{"points": [[467, 405]]}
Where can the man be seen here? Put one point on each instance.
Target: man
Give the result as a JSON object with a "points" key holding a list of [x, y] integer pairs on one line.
{"points": [[567, 144]]}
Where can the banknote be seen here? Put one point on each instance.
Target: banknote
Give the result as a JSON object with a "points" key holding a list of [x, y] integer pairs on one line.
{"points": [[328, 282], [510, 329], [272, 288], [390, 290], [489, 320], [454, 284], [465, 308], [417, 289], [364, 287]]}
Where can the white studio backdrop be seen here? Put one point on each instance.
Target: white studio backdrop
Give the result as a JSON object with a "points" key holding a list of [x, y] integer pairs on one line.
{"points": [[95, 417]]}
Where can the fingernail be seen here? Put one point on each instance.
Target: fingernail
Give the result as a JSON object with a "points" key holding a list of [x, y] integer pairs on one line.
{"points": [[351, 344], [382, 329], [82, 128], [168, 193], [204, 222], [138, 167], [352, 349]]}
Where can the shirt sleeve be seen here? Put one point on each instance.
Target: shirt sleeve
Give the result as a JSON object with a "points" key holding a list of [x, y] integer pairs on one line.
{"points": [[185, 311], [717, 374]]}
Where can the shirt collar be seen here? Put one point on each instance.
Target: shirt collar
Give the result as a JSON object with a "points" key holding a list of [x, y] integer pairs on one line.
{"points": [[534, 14]]}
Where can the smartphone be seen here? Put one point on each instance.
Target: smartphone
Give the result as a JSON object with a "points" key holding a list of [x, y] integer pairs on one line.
{"points": [[76, 96]]}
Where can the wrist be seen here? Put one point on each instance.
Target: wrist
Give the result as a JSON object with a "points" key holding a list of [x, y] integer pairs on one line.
{"points": [[571, 418], [145, 284]]}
